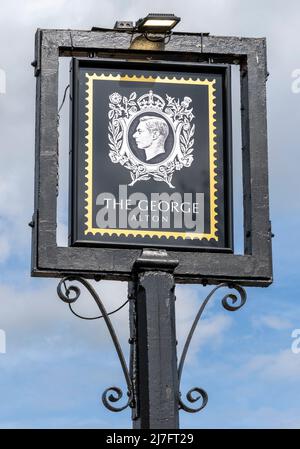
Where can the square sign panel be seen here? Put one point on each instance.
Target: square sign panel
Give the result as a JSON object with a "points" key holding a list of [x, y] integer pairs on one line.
{"points": [[151, 155]]}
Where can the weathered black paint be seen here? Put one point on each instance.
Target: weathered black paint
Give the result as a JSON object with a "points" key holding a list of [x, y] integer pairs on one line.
{"points": [[156, 357], [252, 268]]}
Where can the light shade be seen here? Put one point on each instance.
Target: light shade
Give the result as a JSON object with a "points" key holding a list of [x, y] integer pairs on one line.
{"points": [[157, 23]]}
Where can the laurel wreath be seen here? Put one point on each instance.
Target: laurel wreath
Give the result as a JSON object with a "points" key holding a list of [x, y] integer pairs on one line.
{"points": [[177, 111], [187, 141]]}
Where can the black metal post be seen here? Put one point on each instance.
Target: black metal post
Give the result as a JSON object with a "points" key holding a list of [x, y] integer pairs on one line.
{"points": [[153, 326]]}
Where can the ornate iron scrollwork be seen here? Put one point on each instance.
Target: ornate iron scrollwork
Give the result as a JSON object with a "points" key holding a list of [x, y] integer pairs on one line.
{"points": [[230, 303], [69, 295]]}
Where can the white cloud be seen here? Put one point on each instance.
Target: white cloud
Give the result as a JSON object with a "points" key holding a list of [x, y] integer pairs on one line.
{"points": [[269, 417], [275, 322], [36, 320], [211, 329], [264, 417], [31, 315], [62, 234], [4, 249], [281, 366]]}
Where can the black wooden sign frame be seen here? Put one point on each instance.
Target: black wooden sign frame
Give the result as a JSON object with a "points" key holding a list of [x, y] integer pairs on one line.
{"points": [[254, 268]]}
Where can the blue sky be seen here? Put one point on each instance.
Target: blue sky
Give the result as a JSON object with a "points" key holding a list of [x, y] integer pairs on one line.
{"points": [[56, 367]]}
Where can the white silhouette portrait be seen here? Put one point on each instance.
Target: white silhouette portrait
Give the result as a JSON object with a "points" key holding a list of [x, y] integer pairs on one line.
{"points": [[150, 135]]}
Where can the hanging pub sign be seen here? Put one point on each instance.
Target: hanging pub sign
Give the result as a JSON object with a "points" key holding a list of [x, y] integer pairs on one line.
{"points": [[151, 163]]}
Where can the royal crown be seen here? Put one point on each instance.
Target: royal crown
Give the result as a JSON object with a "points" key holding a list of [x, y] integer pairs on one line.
{"points": [[151, 101]]}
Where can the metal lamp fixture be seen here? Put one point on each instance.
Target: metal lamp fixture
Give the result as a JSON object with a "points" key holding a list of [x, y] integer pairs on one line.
{"points": [[157, 23]]}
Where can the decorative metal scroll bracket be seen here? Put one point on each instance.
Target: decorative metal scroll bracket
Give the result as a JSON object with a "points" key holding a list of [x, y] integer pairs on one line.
{"points": [[230, 302], [71, 294]]}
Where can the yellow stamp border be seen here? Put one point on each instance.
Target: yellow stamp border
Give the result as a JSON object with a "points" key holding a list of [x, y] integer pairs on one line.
{"points": [[89, 158]]}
